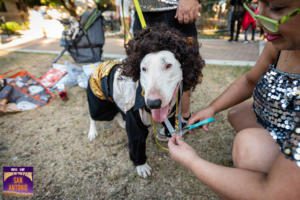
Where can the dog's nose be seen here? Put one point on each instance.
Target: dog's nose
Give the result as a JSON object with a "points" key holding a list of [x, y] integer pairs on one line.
{"points": [[154, 103]]}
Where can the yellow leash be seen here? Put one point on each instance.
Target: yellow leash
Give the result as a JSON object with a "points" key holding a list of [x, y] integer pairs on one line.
{"points": [[140, 13], [144, 25], [160, 146]]}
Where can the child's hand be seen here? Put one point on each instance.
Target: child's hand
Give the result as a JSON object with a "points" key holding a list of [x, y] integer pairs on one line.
{"points": [[181, 151], [201, 115]]}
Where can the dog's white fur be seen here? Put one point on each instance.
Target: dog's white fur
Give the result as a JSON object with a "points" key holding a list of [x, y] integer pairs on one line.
{"points": [[160, 74]]}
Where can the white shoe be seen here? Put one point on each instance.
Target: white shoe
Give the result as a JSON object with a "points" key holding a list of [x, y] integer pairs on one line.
{"points": [[161, 135]]}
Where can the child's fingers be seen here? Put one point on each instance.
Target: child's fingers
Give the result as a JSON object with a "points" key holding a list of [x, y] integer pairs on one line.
{"points": [[179, 140], [193, 119], [205, 127]]}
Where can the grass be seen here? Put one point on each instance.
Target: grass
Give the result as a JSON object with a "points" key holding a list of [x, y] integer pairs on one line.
{"points": [[53, 139]]}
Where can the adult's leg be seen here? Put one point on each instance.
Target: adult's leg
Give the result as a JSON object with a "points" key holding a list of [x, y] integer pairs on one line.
{"points": [[246, 33], [253, 32], [232, 27], [254, 149], [239, 24], [186, 104], [242, 116]]}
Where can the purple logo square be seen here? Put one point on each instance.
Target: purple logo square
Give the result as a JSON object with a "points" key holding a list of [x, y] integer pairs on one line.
{"points": [[18, 181]]}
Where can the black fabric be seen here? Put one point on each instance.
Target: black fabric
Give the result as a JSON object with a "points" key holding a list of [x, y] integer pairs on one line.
{"points": [[168, 18], [107, 83], [102, 110], [137, 134], [139, 99]]}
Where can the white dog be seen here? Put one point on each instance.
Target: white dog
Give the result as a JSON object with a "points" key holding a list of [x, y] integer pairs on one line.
{"points": [[144, 87], [160, 77]]}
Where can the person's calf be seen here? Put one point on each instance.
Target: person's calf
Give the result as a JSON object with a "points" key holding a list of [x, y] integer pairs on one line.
{"points": [[186, 113]]}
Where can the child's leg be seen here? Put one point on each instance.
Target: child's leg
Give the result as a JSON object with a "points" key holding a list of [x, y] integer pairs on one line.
{"points": [[242, 116], [254, 149]]}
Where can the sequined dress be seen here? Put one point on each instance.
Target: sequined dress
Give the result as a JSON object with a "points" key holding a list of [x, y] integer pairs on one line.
{"points": [[277, 107]]}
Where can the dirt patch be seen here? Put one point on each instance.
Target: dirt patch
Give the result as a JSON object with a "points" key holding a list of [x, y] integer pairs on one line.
{"points": [[53, 139]]}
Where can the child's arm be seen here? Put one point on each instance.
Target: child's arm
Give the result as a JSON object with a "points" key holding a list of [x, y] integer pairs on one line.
{"points": [[242, 88]]}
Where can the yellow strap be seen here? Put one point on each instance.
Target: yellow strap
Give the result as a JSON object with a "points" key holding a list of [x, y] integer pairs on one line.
{"points": [[154, 127], [140, 13], [156, 140]]}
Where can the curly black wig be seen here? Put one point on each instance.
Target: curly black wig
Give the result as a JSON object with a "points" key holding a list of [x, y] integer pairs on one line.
{"points": [[162, 37]]}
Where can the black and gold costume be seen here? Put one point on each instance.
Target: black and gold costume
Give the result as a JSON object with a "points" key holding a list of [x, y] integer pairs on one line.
{"points": [[103, 107]]}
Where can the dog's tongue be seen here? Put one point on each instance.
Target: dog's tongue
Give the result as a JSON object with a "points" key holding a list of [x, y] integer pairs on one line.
{"points": [[159, 115]]}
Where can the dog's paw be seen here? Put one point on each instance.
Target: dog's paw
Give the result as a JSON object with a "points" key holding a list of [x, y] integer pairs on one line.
{"points": [[143, 170]]}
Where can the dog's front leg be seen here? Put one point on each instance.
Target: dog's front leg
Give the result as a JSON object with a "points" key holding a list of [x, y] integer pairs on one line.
{"points": [[137, 134], [92, 131]]}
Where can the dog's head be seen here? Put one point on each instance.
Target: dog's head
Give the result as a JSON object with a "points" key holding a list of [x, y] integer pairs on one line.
{"points": [[160, 57], [160, 76]]}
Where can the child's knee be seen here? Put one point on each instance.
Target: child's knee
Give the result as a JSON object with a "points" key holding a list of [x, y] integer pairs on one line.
{"points": [[232, 115], [241, 150]]}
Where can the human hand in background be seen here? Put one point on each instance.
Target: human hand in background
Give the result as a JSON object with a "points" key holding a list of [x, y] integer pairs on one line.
{"points": [[187, 11], [181, 152], [201, 115]]}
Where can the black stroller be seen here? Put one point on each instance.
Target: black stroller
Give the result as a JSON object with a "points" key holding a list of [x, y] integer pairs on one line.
{"points": [[83, 39]]}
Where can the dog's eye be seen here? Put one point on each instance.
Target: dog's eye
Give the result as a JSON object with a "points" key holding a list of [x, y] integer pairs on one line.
{"points": [[168, 66], [144, 69]]}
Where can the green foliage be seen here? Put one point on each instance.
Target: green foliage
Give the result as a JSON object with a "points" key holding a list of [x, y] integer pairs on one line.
{"points": [[51, 2], [11, 27]]}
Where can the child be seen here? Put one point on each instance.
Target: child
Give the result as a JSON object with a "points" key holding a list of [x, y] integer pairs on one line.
{"points": [[249, 22], [266, 148]]}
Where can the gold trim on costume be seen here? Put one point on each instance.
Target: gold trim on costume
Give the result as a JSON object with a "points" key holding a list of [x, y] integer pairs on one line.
{"points": [[101, 71]]}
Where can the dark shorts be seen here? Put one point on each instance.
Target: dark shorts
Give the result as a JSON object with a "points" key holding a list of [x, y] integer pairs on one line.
{"points": [[102, 110], [167, 17]]}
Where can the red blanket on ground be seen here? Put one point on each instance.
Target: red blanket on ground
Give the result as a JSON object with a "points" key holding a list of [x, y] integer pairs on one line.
{"points": [[22, 91]]}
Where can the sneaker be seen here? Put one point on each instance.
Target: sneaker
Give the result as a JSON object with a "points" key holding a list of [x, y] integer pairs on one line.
{"points": [[162, 135]]}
